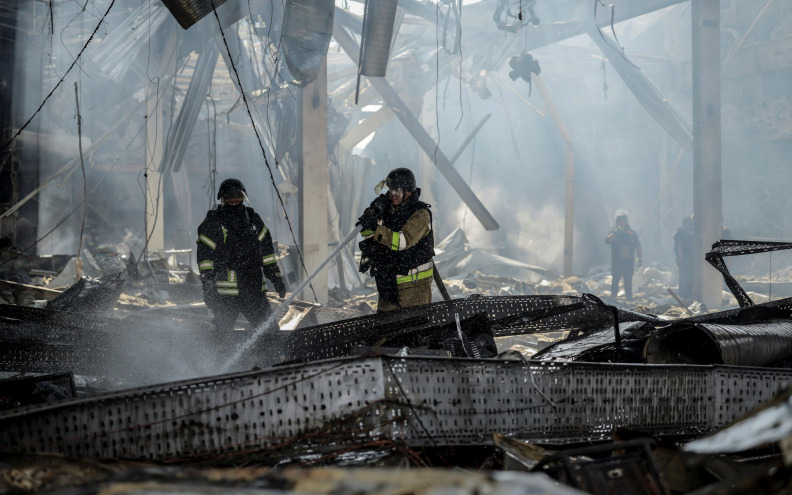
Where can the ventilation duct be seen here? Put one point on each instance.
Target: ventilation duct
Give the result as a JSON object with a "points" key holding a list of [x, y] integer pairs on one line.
{"points": [[307, 29], [375, 39], [378, 20], [188, 12], [756, 344]]}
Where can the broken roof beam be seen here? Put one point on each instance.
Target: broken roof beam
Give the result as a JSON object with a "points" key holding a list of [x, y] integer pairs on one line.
{"points": [[350, 139], [117, 53], [470, 137], [197, 91], [645, 92], [400, 109]]}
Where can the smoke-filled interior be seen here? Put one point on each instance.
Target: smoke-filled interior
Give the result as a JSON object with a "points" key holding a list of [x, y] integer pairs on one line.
{"points": [[105, 87]]}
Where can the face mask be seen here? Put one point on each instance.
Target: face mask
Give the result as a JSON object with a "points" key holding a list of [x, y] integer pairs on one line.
{"points": [[234, 208]]}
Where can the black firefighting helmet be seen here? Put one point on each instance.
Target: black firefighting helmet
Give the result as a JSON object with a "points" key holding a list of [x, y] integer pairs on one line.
{"points": [[400, 178], [231, 188]]}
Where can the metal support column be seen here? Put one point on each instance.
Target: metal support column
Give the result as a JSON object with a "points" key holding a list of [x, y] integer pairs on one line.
{"points": [[706, 144], [314, 180]]}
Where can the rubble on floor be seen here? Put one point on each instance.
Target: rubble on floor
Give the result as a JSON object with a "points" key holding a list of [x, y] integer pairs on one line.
{"points": [[555, 377]]}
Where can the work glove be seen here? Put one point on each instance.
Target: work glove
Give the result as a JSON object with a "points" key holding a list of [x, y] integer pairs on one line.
{"points": [[367, 221], [638, 262], [210, 295], [380, 204], [280, 287]]}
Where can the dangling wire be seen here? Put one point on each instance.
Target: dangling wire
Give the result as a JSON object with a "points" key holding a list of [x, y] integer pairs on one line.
{"points": [[261, 145], [85, 182], [613, 30], [74, 62]]}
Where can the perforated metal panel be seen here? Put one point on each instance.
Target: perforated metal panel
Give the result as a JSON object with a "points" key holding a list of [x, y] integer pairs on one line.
{"points": [[230, 413], [738, 390], [510, 315], [464, 403], [414, 400]]}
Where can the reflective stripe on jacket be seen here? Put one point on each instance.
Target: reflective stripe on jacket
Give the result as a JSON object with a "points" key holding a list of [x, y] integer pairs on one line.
{"points": [[237, 251]]}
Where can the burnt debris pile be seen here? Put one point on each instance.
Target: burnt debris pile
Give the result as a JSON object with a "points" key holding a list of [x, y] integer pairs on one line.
{"points": [[575, 388]]}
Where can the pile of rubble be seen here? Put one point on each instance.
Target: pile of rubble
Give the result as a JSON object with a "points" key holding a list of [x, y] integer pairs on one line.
{"points": [[522, 384]]}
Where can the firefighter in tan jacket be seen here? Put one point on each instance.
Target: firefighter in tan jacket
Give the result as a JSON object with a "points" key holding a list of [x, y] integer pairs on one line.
{"points": [[398, 244]]}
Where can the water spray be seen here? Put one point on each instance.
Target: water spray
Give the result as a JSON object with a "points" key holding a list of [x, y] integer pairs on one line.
{"points": [[278, 313]]}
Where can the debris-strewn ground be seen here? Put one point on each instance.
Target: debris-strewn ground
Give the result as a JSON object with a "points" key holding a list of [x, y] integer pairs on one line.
{"points": [[164, 298]]}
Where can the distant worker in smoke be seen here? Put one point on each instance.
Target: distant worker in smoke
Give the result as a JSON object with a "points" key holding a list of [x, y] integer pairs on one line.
{"points": [[683, 250], [624, 249], [235, 253], [398, 243]]}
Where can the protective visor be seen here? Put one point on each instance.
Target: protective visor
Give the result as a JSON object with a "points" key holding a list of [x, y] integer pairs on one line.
{"points": [[235, 194], [391, 187]]}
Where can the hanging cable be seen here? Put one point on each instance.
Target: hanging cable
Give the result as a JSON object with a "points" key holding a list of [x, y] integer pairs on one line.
{"points": [[261, 145], [85, 183], [613, 30]]}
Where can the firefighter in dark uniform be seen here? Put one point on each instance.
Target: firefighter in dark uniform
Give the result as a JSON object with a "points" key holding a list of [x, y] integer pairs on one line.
{"points": [[624, 248], [235, 253], [398, 243]]}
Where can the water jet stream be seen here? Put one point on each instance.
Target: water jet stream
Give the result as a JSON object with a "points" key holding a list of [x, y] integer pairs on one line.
{"points": [[276, 314]]}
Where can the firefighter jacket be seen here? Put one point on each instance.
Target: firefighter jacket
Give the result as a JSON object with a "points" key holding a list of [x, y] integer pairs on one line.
{"points": [[400, 250], [235, 246]]}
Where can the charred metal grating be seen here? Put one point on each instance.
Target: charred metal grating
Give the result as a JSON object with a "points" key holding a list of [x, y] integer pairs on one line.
{"points": [[563, 402], [334, 339], [197, 417], [26, 348], [415, 401]]}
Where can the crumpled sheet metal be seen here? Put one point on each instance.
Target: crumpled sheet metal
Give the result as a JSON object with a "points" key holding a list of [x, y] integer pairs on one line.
{"points": [[307, 29], [755, 344], [572, 349]]}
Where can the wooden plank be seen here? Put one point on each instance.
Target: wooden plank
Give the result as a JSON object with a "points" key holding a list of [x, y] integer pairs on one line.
{"points": [[40, 292]]}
